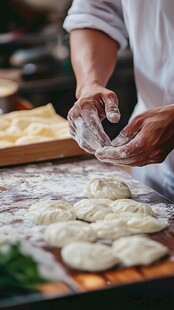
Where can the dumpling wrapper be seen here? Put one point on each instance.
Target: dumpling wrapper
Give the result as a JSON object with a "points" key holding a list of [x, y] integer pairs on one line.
{"points": [[91, 210], [106, 188], [111, 230], [51, 211], [138, 250], [87, 256], [130, 205], [61, 234]]}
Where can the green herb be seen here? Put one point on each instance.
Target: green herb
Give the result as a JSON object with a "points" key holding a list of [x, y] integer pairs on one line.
{"points": [[18, 273]]}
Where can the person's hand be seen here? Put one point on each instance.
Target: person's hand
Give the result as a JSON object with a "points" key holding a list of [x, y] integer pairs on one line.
{"points": [[95, 104], [147, 139]]}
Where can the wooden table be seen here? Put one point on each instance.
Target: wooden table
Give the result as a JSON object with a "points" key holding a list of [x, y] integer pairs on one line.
{"points": [[21, 186]]}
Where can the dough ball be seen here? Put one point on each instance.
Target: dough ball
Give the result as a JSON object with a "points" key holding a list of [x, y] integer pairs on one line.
{"points": [[111, 230], [130, 205], [138, 250], [121, 216], [145, 224], [91, 210], [51, 211], [61, 234], [106, 188], [138, 223], [86, 256]]}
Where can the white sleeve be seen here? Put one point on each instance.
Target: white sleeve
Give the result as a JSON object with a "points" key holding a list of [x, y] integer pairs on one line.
{"points": [[103, 15]]}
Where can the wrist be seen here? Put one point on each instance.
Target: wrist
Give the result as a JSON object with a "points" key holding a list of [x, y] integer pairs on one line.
{"points": [[84, 89]]}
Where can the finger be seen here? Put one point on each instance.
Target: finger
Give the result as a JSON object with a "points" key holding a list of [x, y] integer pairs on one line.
{"points": [[127, 134], [92, 120], [111, 107], [133, 162], [133, 153], [84, 144], [73, 114], [85, 137], [117, 162], [121, 139], [112, 153], [131, 149], [77, 135], [72, 131]]}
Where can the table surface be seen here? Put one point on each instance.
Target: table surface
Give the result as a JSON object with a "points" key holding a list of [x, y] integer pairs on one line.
{"points": [[21, 186]]}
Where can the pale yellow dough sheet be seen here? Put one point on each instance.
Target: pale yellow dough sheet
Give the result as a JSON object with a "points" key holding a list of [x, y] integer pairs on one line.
{"points": [[32, 126]]}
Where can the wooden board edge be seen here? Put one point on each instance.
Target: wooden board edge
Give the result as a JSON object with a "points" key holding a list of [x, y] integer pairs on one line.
{"points": [[39, 152]]}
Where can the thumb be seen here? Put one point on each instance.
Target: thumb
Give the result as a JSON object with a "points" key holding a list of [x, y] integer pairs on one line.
{"points": [[128, 133], [111, 107]]}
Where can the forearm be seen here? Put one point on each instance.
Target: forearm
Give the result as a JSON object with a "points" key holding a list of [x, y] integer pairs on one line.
{"points": [[93, 56]]}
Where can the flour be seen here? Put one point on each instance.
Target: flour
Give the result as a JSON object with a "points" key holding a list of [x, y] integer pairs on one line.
{"points": [[34, 183], [85, 137], [26, 185], [120, 140]]}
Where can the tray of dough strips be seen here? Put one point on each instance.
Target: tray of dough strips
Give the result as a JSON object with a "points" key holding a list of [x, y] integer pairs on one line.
{"points": [[35, 135]]}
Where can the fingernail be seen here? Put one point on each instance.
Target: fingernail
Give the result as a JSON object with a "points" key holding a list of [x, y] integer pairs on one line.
{"points": [[114, 116]]}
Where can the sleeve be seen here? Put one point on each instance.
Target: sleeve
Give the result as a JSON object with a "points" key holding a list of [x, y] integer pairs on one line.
{"points": [[104, 15]]}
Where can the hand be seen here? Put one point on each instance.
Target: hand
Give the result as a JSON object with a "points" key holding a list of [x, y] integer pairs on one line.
{"points": [[147, 139], [94, 104]]}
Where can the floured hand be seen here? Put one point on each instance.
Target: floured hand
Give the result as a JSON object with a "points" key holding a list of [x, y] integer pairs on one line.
{"points": [[94, 105], [147, 139]]}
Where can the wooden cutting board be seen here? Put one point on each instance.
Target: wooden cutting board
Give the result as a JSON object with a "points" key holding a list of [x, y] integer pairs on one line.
{"points": [[62, 146], [25, 185], [28, 153]]}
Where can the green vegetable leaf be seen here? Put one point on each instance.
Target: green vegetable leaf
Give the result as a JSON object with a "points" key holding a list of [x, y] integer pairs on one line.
{"points": [[18, 273]]}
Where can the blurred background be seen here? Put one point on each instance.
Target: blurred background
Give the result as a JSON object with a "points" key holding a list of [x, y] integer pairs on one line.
{"points": [[34, 51]]}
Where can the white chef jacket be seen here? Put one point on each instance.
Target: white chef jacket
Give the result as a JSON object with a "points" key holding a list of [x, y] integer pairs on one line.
{"points": [[149, 25]]}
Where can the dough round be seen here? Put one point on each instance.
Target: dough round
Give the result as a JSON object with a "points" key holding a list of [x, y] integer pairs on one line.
{"points": [[61, 234], [138, 223], [130, 205], [51, 211], [106, 188], [111, 230], [138, 250], [145, 224], [91, 210], [88, 256]]}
